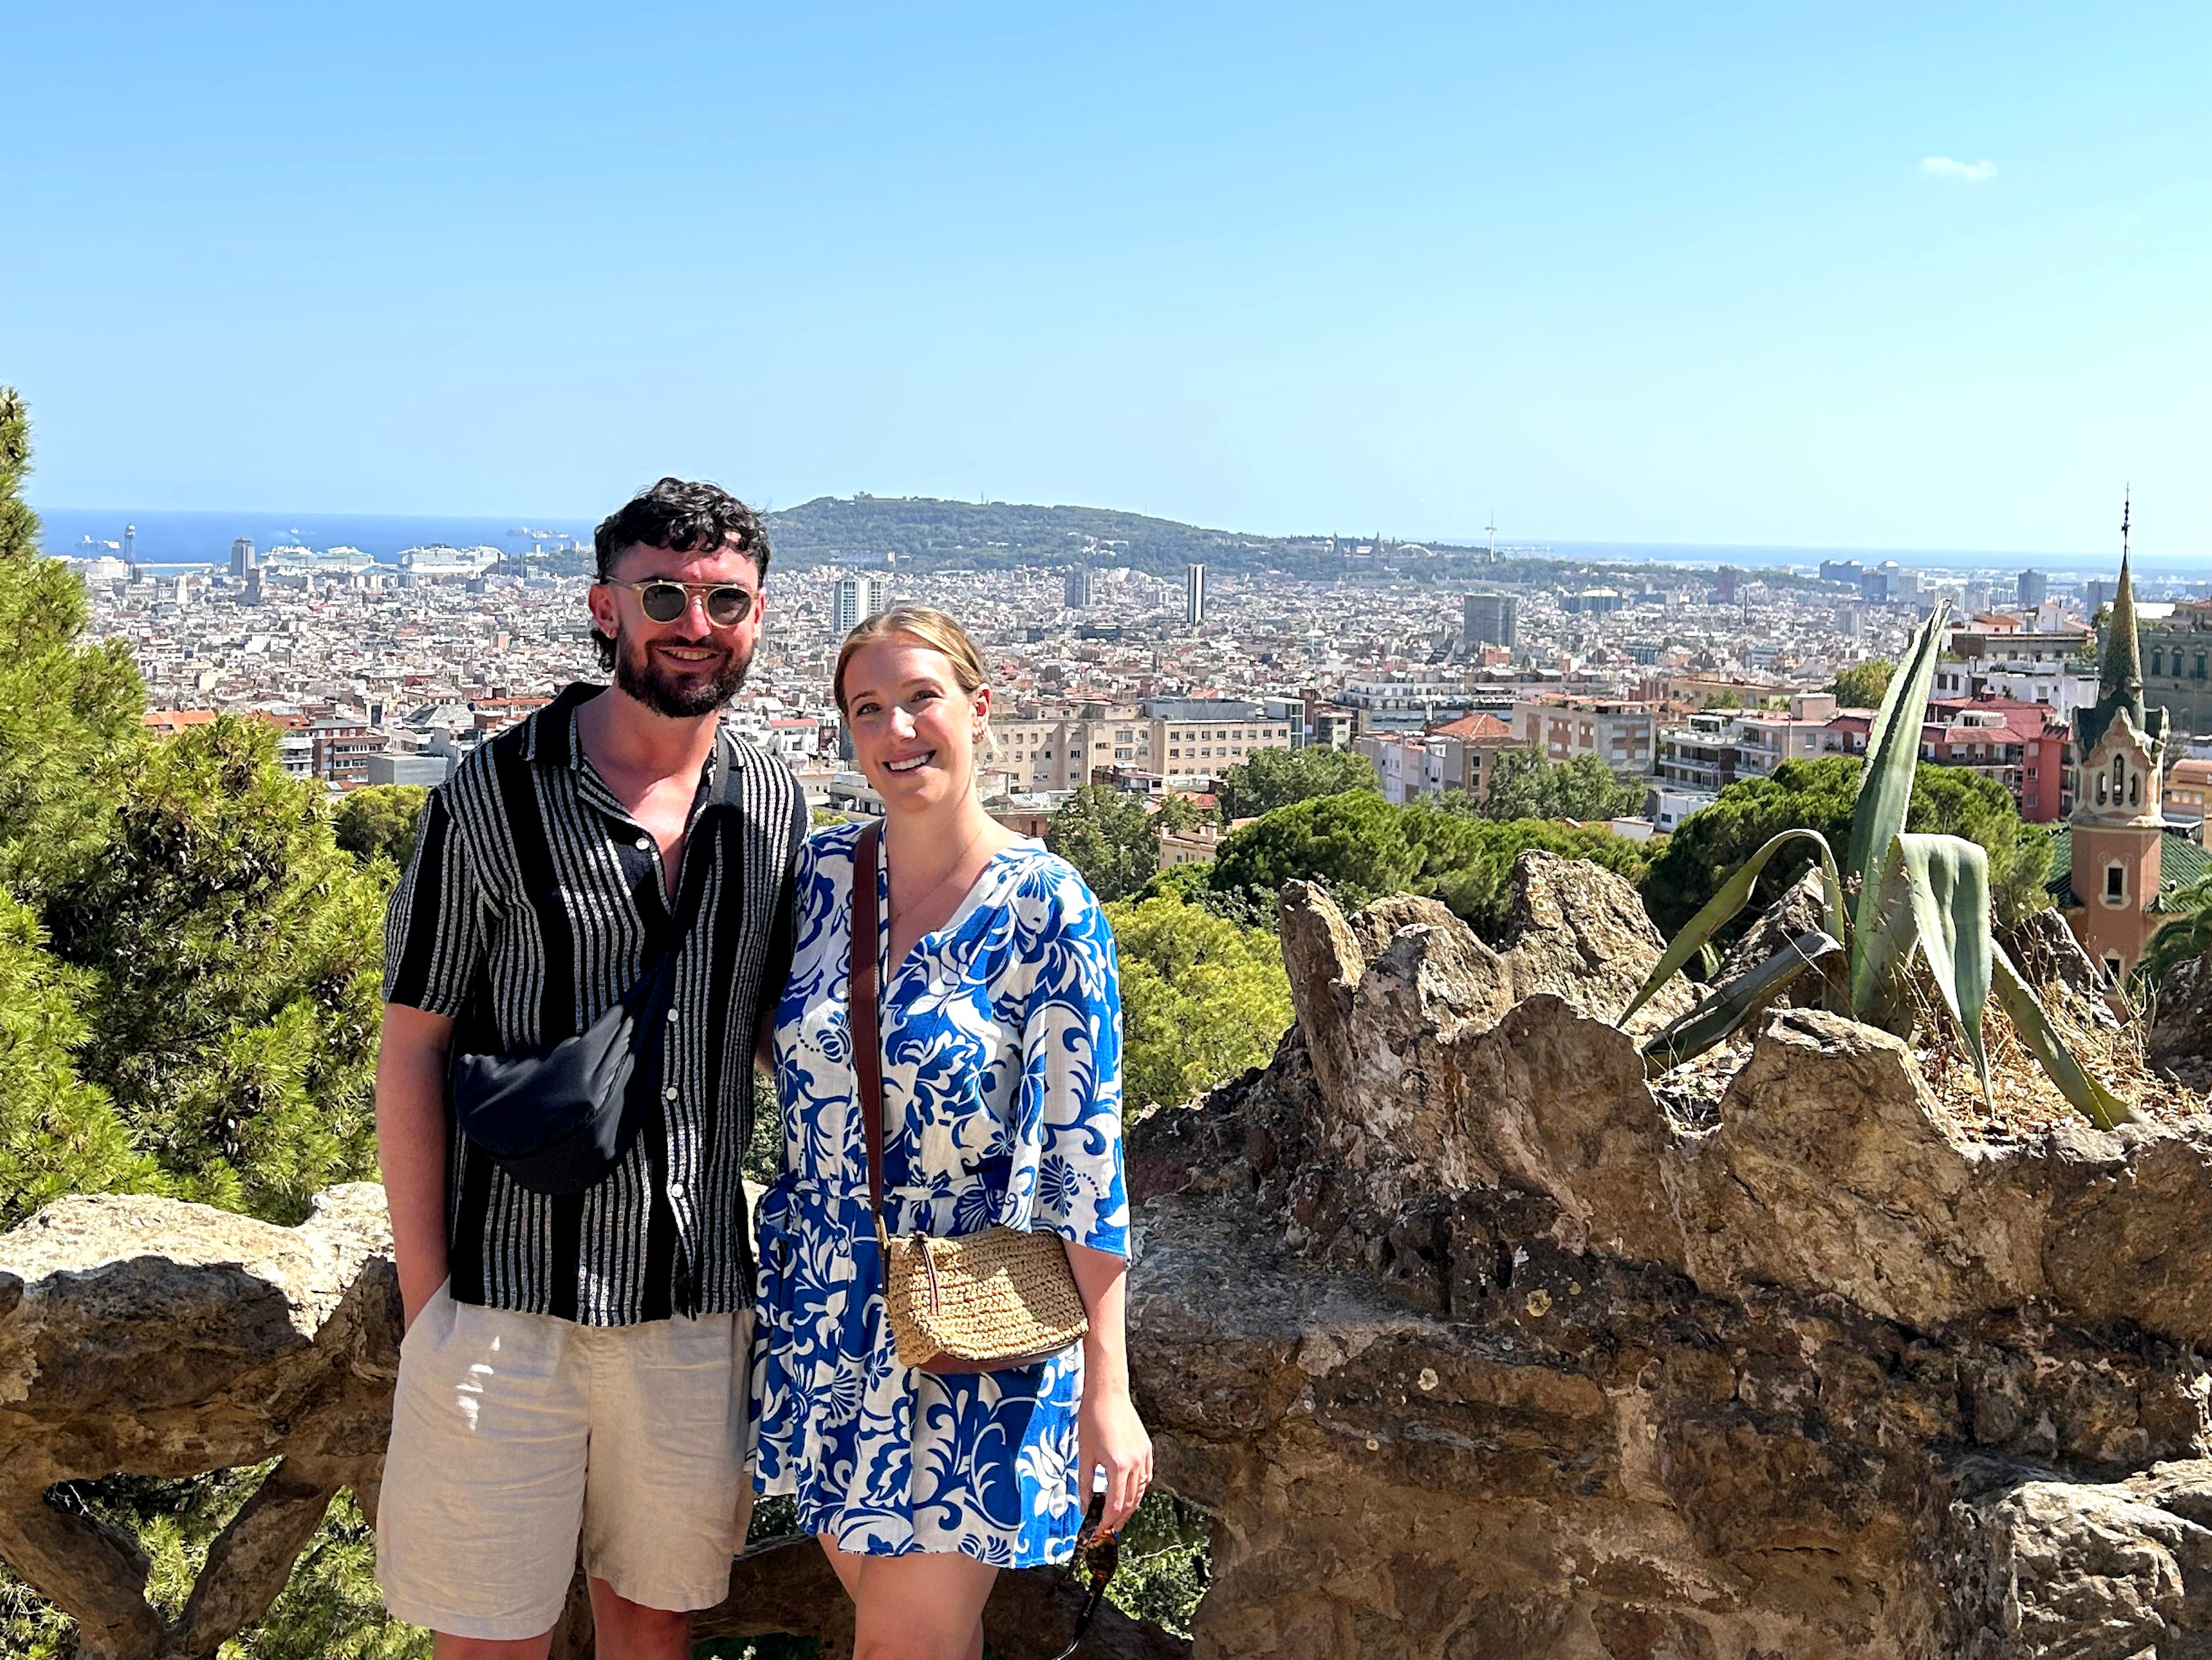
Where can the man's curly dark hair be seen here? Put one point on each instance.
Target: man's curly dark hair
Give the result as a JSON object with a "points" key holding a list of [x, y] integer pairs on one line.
{"points": [[681, 514]]}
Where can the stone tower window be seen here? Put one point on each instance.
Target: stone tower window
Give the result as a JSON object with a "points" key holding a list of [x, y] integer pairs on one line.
{"points": [[2116, 884], [2135, 789]]}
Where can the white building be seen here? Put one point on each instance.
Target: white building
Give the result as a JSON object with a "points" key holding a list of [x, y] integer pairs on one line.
{"points": [[857, 598]]}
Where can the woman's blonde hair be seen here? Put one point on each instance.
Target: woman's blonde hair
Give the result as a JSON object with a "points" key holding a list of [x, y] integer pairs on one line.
{"points": [[926, 625]]}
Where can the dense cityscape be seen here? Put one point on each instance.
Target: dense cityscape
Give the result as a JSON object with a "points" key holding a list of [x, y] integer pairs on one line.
{"points": [[1108, 674]]}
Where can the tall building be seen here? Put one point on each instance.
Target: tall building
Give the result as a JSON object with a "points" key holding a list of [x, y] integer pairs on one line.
{"points": [[1077, 593], [1489, 619], [241, 558], [2116, 834], [130, 550], [1193, 594], [1728, 582], [858, 598], [2031, 588]]}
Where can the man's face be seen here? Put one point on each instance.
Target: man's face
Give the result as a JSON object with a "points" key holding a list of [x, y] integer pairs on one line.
{"points": [[690, 666]]}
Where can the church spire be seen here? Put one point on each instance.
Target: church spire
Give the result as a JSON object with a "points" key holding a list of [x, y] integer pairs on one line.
{"points": [[2119, 673]]}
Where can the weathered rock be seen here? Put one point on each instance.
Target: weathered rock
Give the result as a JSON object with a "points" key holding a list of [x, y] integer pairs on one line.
{"points": [[2180, 1037], [145, 1337], [2043, 949], [149, 1336], [1714, 1389], [2045, 1565], [1800, 909], [1471, 1348]]}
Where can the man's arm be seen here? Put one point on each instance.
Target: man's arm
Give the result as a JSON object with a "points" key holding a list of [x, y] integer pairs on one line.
{"points": [[410, 1146]]}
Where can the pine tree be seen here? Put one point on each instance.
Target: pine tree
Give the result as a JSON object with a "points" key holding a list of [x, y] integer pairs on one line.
{"points": [[63, 706]]}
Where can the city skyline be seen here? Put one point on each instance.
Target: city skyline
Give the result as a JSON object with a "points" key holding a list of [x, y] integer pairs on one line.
{"points": [[1897, 280]]}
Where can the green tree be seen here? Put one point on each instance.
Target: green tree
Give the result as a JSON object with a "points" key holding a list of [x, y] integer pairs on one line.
{"points": [[1362, 847], [1468, 863], [58, 1135], [1526, 785], [237, 964], [189, 994], [1108, 837], [1178, 815], [1202, 999], [1861, 685], [1819, 794], [1278, 778], [1355, 843], [1723, 700], [65, 704], [381, 818]]}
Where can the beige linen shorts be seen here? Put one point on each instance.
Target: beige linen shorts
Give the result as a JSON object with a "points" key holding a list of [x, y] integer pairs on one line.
{"points": [[517, 1438]]}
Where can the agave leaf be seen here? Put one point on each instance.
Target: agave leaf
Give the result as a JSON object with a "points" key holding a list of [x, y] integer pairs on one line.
{"points": [[1892, 748], [1731, 897], [1948, 886], [2090, 1098], [1735, 1005], [1882, 942]]}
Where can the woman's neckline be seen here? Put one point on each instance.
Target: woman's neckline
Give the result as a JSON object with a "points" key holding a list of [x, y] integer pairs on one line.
{"points": [[960, 912]]}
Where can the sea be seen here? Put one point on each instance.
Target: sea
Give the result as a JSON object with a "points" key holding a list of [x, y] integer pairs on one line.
{"points": [[169, 540]]}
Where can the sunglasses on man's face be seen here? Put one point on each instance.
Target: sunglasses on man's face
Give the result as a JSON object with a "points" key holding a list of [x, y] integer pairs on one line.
{"points": [[663, 599]]}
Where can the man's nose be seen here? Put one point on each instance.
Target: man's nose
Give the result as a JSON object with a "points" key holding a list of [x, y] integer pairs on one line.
{"points": [[695, 619]]}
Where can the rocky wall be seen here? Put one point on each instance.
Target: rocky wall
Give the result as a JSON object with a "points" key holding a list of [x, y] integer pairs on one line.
{"points": [[1472, 1344], [1477, 1347]]}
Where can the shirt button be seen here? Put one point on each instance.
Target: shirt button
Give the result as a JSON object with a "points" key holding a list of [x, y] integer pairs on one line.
{"points": [[644, 842], [669, 1093], [671, 1017], [675, 1190]]}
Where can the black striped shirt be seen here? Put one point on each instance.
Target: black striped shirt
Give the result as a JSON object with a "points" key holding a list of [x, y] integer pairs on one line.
{"points": [[532, 903]]}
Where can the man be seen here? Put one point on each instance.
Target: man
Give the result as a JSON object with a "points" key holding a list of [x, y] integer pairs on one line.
{"points": [[574, 1366]]}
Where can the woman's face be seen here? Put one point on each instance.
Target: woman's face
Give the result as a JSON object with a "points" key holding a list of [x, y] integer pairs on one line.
{"points": [[914, 730]]}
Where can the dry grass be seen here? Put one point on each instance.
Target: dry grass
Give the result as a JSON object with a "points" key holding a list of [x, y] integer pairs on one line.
{"points": [[2023, 1102], [2024, 1105]]}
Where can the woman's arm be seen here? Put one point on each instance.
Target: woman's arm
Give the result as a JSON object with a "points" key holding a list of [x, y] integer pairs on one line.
{"points": [[1109, 1433]]}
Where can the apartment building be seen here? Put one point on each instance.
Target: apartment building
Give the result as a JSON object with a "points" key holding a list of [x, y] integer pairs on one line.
{"points": [[1622, 735], [1185, 743], [1194, 740], [1763, 740], [1061, 749], [2176, 649], [2022, 746]]}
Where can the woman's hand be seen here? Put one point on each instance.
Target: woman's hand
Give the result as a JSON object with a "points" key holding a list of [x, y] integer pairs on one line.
{"points": [[1110, 1434], [1107, 1432]]}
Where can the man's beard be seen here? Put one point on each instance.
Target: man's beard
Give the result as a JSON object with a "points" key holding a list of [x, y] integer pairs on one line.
{"points": [[677, 695]]}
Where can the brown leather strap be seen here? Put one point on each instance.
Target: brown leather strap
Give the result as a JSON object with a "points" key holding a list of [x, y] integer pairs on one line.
{"points": [[861, 997]]}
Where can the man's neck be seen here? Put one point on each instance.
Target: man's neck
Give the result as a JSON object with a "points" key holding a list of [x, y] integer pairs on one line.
{"points": [[621, 735]]}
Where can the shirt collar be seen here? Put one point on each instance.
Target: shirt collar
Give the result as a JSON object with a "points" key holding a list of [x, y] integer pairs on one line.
{"points": [[554, 739]]}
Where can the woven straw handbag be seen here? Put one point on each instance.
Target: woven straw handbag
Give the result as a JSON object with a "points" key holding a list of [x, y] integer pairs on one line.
{"points": [[976, 1303]]}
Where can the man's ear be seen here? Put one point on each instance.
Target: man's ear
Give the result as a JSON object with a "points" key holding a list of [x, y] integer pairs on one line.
{"points": [[600, 601]]}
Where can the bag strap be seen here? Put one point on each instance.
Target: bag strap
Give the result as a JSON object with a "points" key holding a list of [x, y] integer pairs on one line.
{"points": [[861, 996]]}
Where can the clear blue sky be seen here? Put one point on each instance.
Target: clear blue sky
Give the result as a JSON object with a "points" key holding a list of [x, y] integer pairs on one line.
{"points": [[1615, 271]]}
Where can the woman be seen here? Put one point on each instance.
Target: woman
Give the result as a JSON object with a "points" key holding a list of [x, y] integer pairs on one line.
{"points": [[1000, 1034]]}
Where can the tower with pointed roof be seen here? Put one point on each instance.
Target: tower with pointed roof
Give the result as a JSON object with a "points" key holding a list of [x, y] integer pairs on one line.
{"points": [[2117, 828]]}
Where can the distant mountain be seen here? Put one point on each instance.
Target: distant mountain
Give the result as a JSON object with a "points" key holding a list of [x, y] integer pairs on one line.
{"points": [[930, 533], [927, 533]]}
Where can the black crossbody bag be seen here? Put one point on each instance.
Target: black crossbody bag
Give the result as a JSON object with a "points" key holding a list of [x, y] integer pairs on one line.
{"points": [[558, 1117]]}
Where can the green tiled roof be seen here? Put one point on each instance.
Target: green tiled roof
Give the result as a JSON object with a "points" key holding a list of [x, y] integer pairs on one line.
{"points": [[2180, 862]]}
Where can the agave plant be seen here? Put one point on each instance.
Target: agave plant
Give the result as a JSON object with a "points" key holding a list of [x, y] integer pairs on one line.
{"points": [[1898, 895]]}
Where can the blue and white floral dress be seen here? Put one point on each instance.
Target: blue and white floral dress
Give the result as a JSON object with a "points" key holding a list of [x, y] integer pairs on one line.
{"points": [[1002, 1095]]}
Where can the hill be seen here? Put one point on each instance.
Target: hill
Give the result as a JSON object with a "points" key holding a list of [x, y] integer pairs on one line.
{"points": [[928, 533]]}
